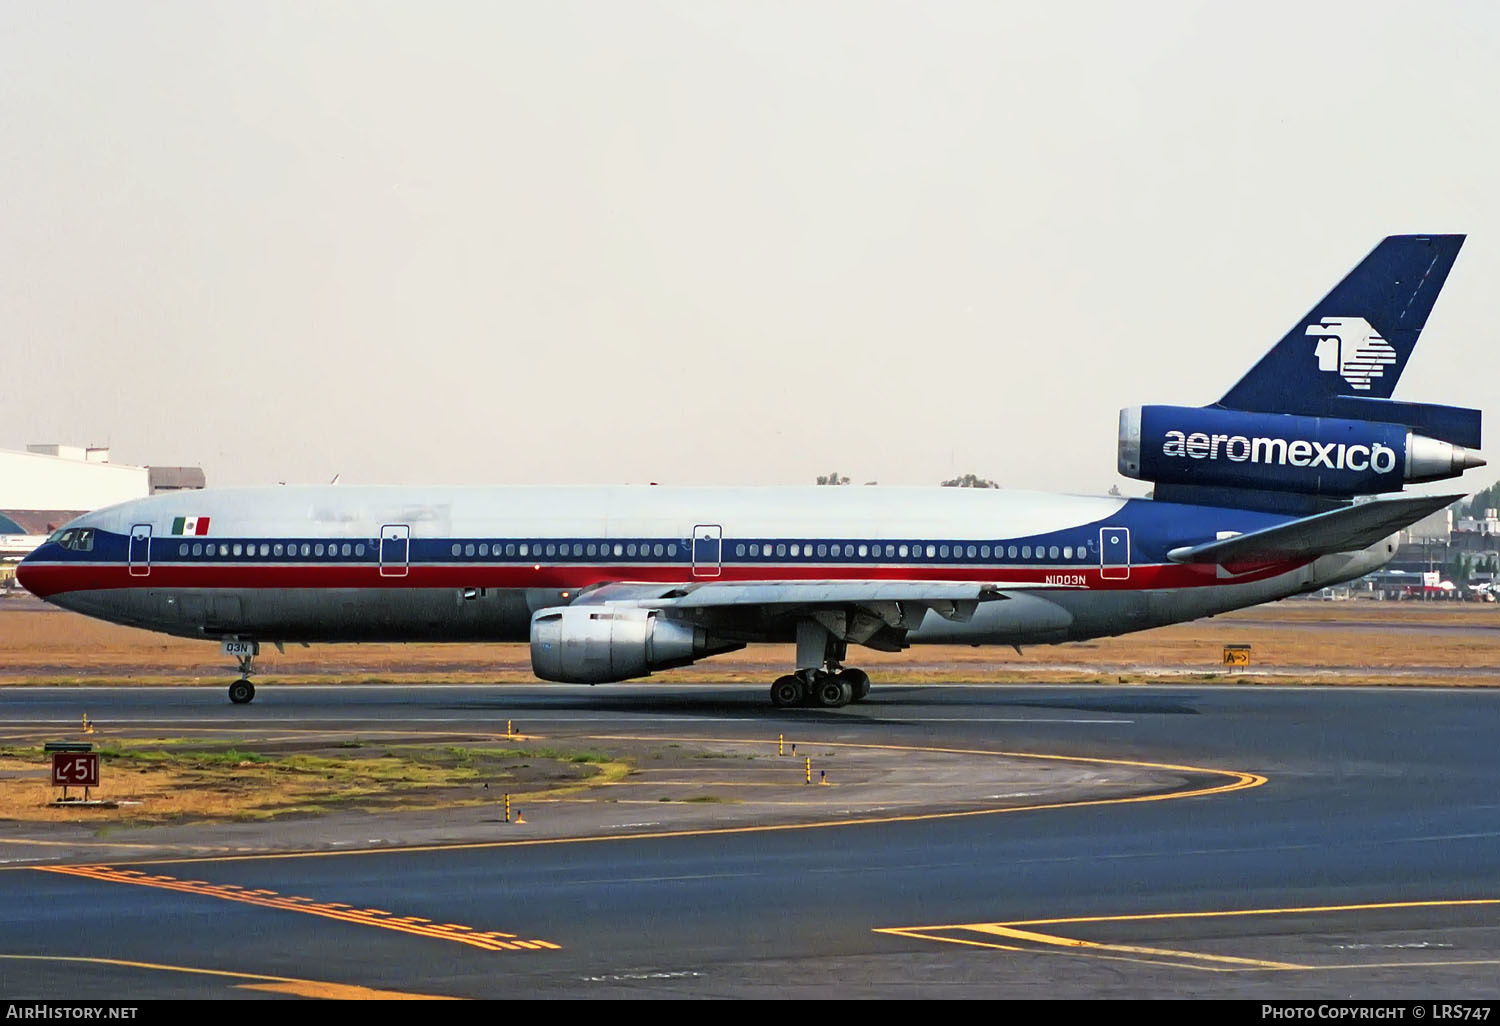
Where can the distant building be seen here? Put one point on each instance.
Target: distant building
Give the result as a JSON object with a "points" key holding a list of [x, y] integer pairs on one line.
{"points": [[48, 485], [1489, 524]]}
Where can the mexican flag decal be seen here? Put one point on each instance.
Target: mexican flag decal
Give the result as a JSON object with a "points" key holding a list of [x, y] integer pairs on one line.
{"points": [[190, 525]]}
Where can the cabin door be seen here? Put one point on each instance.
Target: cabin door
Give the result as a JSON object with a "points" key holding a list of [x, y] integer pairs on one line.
{"points": [[708, 550], [140, 550], [1114, 553], [395, 550]]}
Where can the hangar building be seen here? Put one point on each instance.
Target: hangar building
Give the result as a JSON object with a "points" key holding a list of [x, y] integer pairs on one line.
{"points": [[45, 486]]}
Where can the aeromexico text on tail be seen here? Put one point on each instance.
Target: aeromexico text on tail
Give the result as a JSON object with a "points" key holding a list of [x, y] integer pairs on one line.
{"points": [[1254, 501]]}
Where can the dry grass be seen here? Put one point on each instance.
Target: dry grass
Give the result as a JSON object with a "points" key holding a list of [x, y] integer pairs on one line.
{"points": [[1401, 642], [166, 780]]}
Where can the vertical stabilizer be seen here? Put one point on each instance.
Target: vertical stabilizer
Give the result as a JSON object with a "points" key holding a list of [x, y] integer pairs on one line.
{"points": [[1355, 342]]}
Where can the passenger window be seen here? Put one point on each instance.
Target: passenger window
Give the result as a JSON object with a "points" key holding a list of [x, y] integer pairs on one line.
{"points": [[902, 552], [630, 549], [306, 549], [971, 552], [197, 549], [1025, 551], [277, 549], [739, 550], [823, 550], [182, 549], [318, 549], [523, 550], [484, 550], [984, 552], [1011, 552], [265, 550], [469, 549], [457, 548], [1052, 552], [359, 549], [237, 548], [510, 550], [943, 551], [1067, 552], [672, 549], [781, 548], [862, 551], [931, 551]]}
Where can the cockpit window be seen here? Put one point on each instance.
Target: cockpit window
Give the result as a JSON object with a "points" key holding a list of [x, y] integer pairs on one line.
{"points": [[77, 539]]}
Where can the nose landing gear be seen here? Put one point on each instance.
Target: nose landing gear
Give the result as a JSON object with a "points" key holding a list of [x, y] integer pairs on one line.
{"points": [[241, 692]]}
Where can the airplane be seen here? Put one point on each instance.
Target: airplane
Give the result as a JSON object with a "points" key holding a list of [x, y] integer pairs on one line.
{"points": [[1279, 488]]}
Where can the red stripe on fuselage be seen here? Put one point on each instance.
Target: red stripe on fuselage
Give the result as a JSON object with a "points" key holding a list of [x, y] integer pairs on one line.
{"points": [[47, 579]]}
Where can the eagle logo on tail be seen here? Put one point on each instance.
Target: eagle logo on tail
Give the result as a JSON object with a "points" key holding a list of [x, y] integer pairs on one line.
{"points": [[1351, 348]]}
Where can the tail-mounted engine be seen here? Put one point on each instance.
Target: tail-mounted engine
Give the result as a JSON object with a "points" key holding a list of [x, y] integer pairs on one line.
{"points": [[1321, 456]]}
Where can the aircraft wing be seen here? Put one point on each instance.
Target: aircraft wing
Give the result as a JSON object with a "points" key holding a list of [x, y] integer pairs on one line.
{"points": [[876, 613], [717, 594], [1339, 530]]}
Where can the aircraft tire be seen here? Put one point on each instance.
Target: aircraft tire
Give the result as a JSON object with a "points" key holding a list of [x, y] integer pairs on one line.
{"points": [[833, 693], [787, 691], [859, 681], [241, 692]]}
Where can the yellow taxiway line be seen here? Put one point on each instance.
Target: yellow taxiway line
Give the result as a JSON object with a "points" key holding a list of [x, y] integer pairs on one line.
{"points": [[276, 984], [1166, 956], [489, 941]]}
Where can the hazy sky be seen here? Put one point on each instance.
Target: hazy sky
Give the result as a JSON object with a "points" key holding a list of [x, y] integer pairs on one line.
{"points": [[709, 242]]}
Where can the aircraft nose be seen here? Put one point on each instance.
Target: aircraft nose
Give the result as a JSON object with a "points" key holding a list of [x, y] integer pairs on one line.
{"points": [[23, 571]]}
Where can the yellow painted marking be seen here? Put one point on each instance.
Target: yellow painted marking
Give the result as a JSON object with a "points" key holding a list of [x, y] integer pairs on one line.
{"points": [[1231, 963], [1373, 906], [283, 984], [918, 935], [336, 991], [270, 899], [1129, 949]]}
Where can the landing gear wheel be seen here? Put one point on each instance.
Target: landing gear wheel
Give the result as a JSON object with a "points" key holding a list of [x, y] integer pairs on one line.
{"points": [[241, 692], [833, 692], [859, 681], [787, 691]]}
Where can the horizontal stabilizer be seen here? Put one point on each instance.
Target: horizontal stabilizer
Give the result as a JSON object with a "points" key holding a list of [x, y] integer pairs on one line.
{"points": [[1341, 530]]}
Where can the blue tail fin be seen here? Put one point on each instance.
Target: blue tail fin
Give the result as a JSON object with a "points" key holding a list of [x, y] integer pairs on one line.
{"points": [[1355, 343]]}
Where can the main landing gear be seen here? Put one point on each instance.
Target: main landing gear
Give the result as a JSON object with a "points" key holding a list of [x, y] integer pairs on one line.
{"points": [[821, 678], [829, 689]]}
